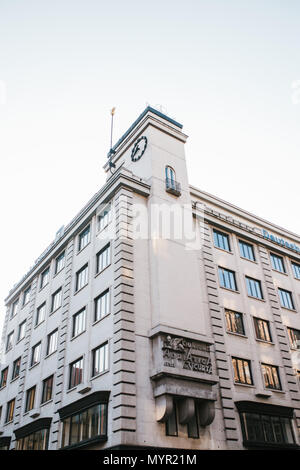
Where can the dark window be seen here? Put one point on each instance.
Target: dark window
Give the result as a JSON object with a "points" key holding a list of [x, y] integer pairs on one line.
{"points": [[102, 305], [16, 368], [286, 299], [88, 424], [30, 396], [254, 288], [35, 441], [221, 240], [103, 258], [266, 429], [56, 300], [84, 238], [26, 296], [262, 329], [10, 411], [82, 277], [59, 263], [294, 337], [79, 322], [277, 263], [36, 354], [52, 342], [296, 270], [14, 308], [45, 277], [9, 341], [76, 373], [47, 389], [40, 314], [3, 379], [193, 424], [271, 377], [100, 359], [22, 329], [242, 371], [227, 279], [246, 250], [105, 217], [234, 322]]}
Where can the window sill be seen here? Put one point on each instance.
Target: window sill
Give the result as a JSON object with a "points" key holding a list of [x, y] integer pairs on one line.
{"points": [[34, 365], [72, 389], [100, 272], [15, 379], [100, 319], [230, 290], [280, 272], [240, 335], [2, 388], [81, 250], [51, 354], [289, 309], [81, 288], [244, 385], [43, 287], [224, 251], [251, 260], [265, 341], [99, 375], [19, 340], [35, 326], [274, 390], [46, 402], [54, 311], [255, 298], [79, 334]]}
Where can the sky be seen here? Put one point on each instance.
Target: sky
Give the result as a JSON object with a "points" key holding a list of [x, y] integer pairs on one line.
{"points": [[229, 71]]}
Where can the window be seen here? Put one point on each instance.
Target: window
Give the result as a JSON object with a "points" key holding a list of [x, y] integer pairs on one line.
{"points": [[47, 389], [90, 423], [9, 341], [40, 314], [266, 429], [286, 299], [26, 296], [294, 337], [82, 277], [3, 379], [14, 308], [242, 371], [16, 368], [105, 217], [100, 359], [262, 329], [45, 277], [103, 258], [254, 288], [60, 263], [35, 441], [221, 240], [22, 329], [234, 322], [79, 322], [271, 377], [277, 263], [36, 354], [52, 342], [246, 250], [76, 373], [84, 238], [30, 396], [170, 174], [102, 305], [10, 411], [227, 279], [296, 270], [56, 300]]}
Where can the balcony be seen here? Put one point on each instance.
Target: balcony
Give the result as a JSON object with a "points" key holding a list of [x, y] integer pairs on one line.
{"points": [[173, 187]]}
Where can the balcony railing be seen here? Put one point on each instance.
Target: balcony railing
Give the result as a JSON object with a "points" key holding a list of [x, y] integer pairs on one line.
{"points": [[173, 187]]}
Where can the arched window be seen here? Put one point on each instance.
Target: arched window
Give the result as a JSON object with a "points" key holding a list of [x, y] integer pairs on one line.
{"points": [[170, 175]]}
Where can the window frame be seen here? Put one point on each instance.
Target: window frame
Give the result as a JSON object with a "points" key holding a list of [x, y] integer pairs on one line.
{"points": [[272, 367], [33, 349], [257, 283], [99, 254], [74, 317], [30, 399], [49, 336], [242, 242], [4, 377], [13, 374], [97, 299], [257, 329], [45, 390], [46, 273], [62, 255], [84, 268], [281, 290], [105, 360], [81, 238], [240, 382], [277, 259], [234, 279], [226, 236], [229, 311], [53, 296], [72, 383]]}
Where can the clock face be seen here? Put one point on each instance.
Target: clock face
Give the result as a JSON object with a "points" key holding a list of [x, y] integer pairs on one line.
{"points": [[139, 149]]}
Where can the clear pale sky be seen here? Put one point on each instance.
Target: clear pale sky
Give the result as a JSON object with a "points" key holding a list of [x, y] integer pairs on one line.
{"points": [[229, 71]]}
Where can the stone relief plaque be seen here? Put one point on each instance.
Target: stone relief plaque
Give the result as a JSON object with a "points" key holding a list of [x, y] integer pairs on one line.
{"points": [[183, 353]]}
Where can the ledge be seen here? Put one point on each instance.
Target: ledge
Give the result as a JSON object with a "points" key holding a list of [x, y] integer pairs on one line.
{"points": [[171, 330]]}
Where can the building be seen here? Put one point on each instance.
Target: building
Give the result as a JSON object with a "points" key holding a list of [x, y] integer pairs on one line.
{"points": [[122, 335]]}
